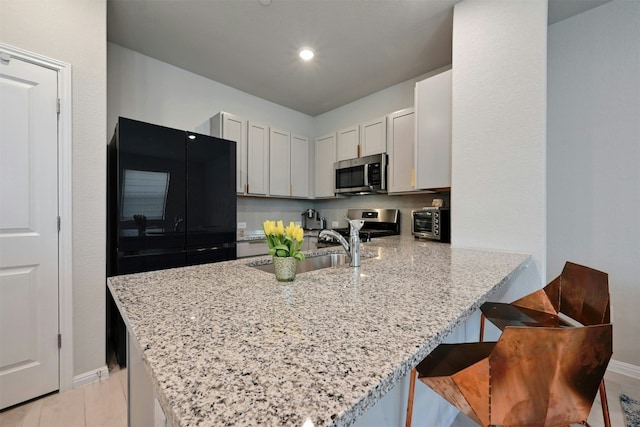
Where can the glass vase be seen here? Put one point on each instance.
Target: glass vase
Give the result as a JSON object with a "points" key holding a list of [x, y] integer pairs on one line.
{"points": [[285, 268]]}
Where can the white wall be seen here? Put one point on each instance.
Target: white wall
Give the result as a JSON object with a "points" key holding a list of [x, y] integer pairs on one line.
{"points": [[376, 105], [153, 91], [593, 156], [499, 126], [75, 32]]}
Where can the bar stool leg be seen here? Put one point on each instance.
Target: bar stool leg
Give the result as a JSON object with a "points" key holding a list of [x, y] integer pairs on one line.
{"points": [[605, 405], [412, 386], [481, 327]]}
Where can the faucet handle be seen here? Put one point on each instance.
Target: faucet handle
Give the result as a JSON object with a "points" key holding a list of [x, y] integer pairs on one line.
{"points": [[356, 224]]}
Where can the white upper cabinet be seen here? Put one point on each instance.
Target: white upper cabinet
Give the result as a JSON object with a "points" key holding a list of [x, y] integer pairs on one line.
{"points": [[401, 145], [433, 132], [300, 161], [325, 157], [373, 137], [257, 158], [348, 143], [279, 163], [234, 128]]}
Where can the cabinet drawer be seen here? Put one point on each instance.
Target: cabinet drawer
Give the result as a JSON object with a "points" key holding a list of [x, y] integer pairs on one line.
{"points": [[252, 248]]}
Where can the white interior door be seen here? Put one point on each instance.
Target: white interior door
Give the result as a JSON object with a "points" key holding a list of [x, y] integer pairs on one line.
{"points": [[29, 352]]}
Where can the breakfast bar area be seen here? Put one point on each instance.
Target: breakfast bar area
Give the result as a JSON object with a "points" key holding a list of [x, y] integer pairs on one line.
{"points": [[226, 344]]}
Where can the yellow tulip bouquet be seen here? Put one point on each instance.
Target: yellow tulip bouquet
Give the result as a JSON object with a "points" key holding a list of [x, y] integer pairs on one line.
{"points": [[284, 241]]}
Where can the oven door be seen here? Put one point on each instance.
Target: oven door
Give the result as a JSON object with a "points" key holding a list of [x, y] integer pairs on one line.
{"points": [[423, 224]]}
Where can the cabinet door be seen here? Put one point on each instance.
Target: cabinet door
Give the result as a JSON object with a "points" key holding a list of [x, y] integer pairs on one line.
{"points": [[433, 132], [374, 137], [299, 166], [257, 158], [325, 157], [279, 163], [402, 138], [347, 143], [234, 128]]}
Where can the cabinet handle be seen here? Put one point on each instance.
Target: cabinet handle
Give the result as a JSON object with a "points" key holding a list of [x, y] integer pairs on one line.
{"points": [[358, 150]]}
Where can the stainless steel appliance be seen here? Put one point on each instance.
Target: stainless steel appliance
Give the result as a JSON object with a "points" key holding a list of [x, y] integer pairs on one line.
{"points": [[311, 220], [377, 223], [431, 223], [364, 175]]}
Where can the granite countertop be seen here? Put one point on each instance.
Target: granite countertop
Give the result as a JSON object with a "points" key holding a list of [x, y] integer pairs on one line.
{"points": [[226, 344]]}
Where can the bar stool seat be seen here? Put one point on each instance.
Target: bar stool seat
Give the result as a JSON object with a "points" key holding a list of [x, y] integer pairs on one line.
{"points": [[533, 376], [579, 293]]}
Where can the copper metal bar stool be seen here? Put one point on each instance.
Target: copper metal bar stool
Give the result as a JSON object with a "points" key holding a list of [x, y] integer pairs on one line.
{"points": [[533, 376], [579, 293]]}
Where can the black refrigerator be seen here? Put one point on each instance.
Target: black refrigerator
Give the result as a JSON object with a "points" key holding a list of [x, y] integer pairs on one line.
{"points": [[171, 202]]}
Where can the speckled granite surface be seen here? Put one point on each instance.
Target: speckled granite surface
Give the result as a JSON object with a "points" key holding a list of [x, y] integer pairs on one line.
{"points": [[226, 344]]}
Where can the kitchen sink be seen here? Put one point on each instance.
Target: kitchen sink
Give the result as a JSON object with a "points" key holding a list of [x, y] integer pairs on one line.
{"points": [[311, 263]]}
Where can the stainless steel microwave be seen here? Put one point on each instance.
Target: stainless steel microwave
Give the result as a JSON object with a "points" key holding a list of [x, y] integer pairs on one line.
{"points": [[364, 175], [431, 223]]}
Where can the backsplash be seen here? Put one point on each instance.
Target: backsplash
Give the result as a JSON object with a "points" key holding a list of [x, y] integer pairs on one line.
{"points": [[254, 210]]}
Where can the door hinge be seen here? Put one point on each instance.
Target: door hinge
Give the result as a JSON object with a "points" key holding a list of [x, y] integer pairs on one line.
{"points": [[59, 340], [58, 105]]}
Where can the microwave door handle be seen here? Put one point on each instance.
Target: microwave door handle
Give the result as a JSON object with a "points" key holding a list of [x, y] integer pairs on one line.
{"points": [[383, 173], [366, 174]]}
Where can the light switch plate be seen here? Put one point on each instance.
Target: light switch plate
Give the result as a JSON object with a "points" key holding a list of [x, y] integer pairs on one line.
{"points": [[335, 224], [242, 225]]}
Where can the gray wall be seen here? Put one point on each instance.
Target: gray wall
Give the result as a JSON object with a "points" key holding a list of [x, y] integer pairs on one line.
{"points": [[153, 91], [75, 32], [593, 156]]}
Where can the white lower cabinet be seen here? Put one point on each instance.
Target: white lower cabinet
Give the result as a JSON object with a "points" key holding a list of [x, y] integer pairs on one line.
{"points": [[252, 248], [257, 158], [325, 157], [433, 132], [401, 144]]}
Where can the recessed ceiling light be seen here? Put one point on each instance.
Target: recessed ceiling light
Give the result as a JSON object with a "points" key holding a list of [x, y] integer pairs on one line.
{"points": [[306, 54], [264, 2]]}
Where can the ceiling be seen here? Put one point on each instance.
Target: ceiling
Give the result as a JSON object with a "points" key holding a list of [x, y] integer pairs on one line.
{"points": [[362, 46]]}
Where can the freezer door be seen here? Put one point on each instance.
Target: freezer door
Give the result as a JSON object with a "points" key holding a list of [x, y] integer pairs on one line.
{"points": [[211, 192]]}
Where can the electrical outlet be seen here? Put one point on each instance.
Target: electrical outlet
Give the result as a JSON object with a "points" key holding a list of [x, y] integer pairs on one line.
{"points": [[242, 225], [335, 224]]}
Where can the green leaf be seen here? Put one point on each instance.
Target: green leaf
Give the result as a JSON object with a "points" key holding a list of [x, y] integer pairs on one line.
{"points": [[272, 251], [282, 252], [299, 256], [282, 247]]}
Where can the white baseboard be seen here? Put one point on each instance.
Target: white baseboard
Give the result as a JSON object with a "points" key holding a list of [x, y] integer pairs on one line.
{"points": [[90, 376], [624, 368]]}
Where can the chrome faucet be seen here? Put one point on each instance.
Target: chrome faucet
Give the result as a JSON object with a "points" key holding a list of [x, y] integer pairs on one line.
{"points": [[352, 247]]}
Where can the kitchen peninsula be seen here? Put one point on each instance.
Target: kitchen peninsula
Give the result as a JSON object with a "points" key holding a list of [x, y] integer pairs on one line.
{"points": [[226, 344]]}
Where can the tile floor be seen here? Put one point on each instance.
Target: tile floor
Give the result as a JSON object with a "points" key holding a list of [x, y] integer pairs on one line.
{"points": [[103, 404]]}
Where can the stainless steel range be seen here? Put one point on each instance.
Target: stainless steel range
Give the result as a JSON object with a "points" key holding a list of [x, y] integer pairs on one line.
{"points": [[377, 223]]}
